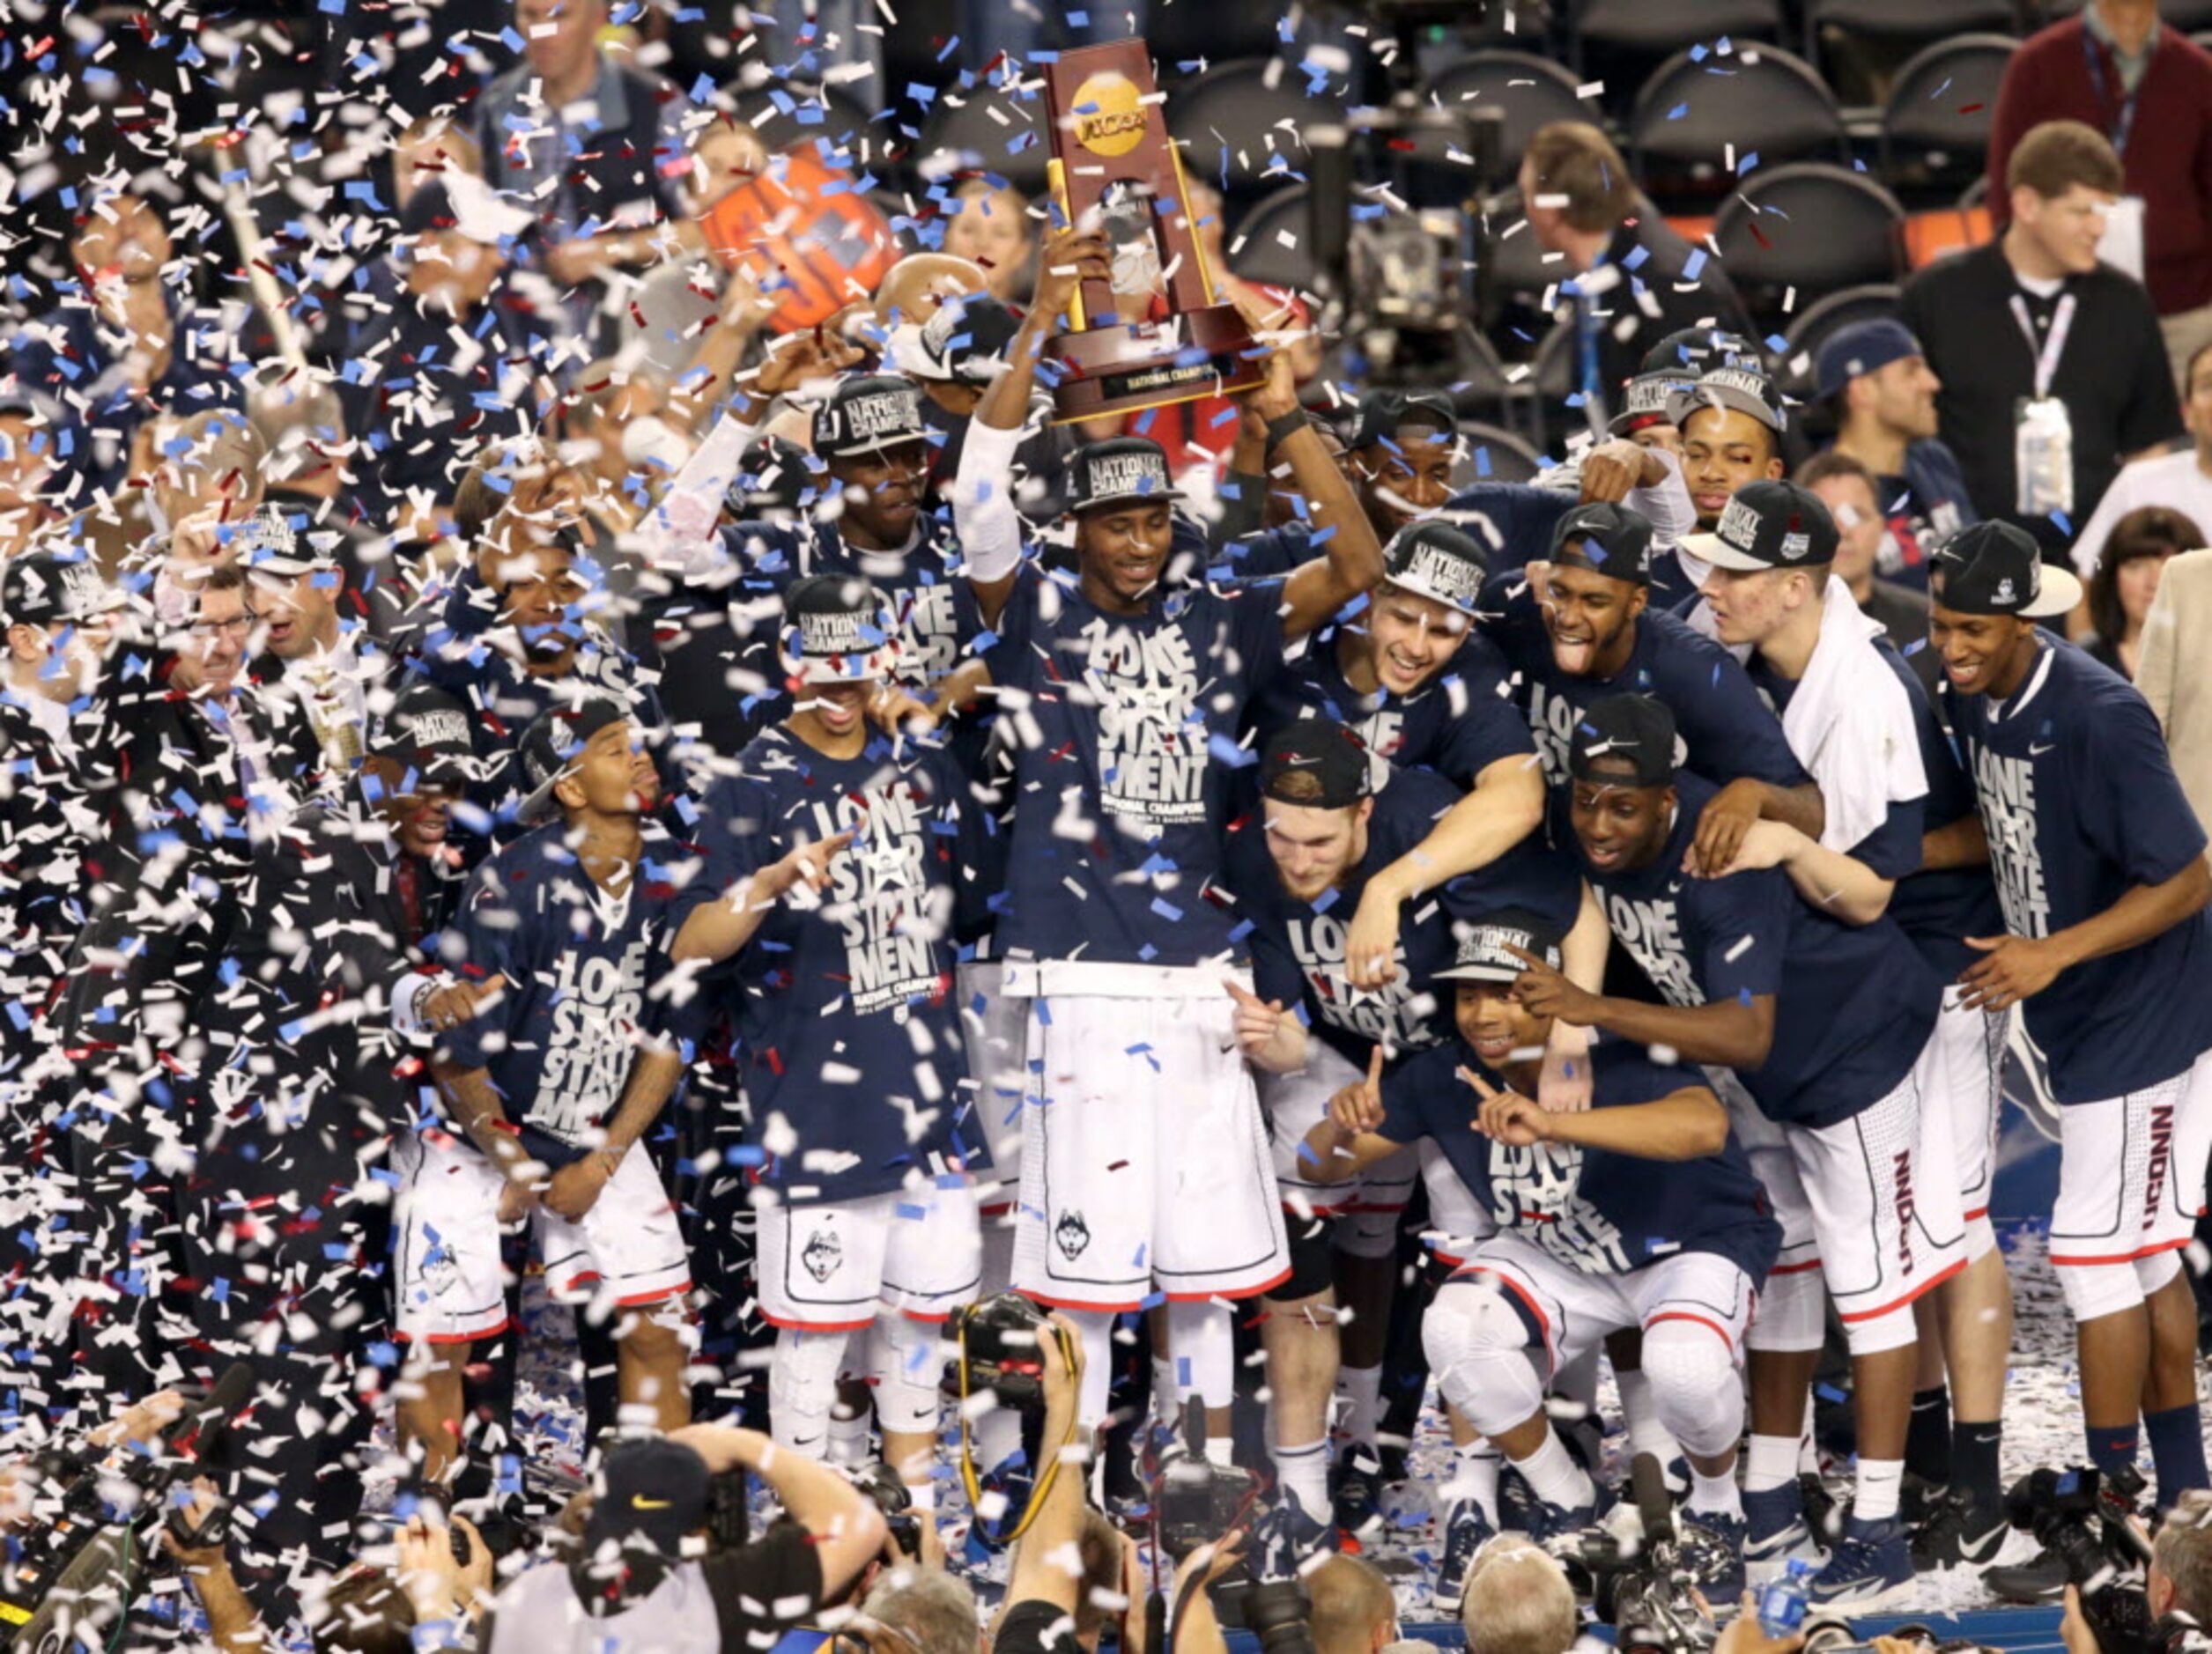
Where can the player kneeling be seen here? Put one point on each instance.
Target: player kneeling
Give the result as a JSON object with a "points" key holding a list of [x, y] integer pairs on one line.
{"points": [[1589, 1241]]}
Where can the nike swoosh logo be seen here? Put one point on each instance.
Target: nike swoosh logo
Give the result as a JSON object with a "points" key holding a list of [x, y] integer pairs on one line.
{"points": [[2037, 752], [639, 1501]]}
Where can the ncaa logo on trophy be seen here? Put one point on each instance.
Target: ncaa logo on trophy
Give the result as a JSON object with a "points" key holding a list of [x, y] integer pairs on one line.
{"points": [[1157, 332]]}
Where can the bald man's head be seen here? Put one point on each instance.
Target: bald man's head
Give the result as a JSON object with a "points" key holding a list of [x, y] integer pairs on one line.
{"points": [[1354, 1612]]}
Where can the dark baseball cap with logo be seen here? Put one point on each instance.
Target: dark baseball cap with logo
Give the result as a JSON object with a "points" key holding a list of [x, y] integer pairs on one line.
{"points": [[1633, 729], [1747, 389], [1485, 947], [1674, 365], [1615, 541], [1117, 471], [1383, 413], [43, 589], [837, 629], [1769, 525], [1996, 568], [651, 1498], [551, 746], [1332, 764], [775, 479], [867, 413], [965, 340], [1435, 560], [426, 733]]}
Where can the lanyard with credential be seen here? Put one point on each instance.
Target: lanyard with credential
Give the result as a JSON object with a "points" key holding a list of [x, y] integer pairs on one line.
{"points": [[2046, 354], [2121, 129]]}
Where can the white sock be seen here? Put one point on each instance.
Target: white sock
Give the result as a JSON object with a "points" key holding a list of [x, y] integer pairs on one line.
{"points": [[1475, 1469], [1167, 1395], [1880, 1482], [1772, 1462], [1715, 1495], [849, 1438], [1646, 1433], [1303, 1471], [1360, 1390], [1222, 1449], [1554, 1477]]}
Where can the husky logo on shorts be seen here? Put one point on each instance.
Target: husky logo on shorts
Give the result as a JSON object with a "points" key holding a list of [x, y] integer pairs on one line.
{"points": [[1073, 1234], [822, 1254]]}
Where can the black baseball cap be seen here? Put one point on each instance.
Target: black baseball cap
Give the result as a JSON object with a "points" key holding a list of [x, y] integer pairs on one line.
{"points": [[837, 629], [774, 477], [1118, 470], [868, 412], [1484, 953], [1748, 389], [1672, 365], [651, 1497], [551, 745], [425, 733], [1769, 525], [1325, 751], [1636, 727], [43, 589], [1607, 539], [1435, 560], [1996, 568], [1381, 413], [965, 340]]}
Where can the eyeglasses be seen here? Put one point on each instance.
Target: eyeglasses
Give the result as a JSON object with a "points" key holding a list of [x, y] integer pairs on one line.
{"points": [[236, 626]]}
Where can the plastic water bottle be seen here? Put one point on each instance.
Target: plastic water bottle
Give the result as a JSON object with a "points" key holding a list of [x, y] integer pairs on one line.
{"points": [[1782, 1605]]}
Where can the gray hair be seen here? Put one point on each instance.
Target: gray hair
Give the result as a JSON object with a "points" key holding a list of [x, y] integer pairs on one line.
{"points": [[935, 1611], [1518, 1602], [2183, 1552], [289, 410]]}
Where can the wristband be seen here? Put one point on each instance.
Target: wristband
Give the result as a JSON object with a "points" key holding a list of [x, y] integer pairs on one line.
{"points": [[1282, 427]]}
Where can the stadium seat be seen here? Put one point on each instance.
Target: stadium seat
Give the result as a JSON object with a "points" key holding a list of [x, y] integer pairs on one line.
{"points": [[1257, 250], [1495, 454], [1510, 264], [1651, 27], [983, 130], [1530, 92], [1215, 32], [1936, 122], [1812, 227], [1801, 345], [1903, 20], [1242, 124], [1698, 111], [2188, 16]]}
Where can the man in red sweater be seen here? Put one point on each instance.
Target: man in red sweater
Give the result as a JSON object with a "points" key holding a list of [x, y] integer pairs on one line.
{"points": [[2148, 89]]}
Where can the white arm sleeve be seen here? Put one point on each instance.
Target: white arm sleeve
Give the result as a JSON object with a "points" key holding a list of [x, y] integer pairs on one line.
{"points": [[989, 528], [678, 534], [1666, 504]]}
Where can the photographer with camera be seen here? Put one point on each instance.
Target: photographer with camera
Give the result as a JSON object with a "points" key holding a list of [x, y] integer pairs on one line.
{"points": [[1518, 1601], [2105, 1614]]}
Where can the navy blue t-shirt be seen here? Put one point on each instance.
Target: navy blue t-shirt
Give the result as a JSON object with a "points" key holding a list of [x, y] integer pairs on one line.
{"points": [[1725, 731], [1298, 947], [1510, 521], [1459, 723], [588, 977], [1853, 1004], [2080, 805], [850, 1042], [1592, 1209], [1127, 747]]}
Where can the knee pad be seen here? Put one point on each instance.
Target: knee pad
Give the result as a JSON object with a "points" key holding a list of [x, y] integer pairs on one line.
{"points": [[1479, 1348], [802, 1375], [1792, 1313], [2095, 1290], [1312, 1259], [1982, 1239], [1203, 1339], [1695, 1387], [904, 1365], [1367, 1234], [2157, 1269]]}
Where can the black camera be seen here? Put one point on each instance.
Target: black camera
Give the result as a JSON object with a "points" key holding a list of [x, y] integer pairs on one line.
{"points": [[1198, 1501], [1645, 1591], [998, 1345], [2083, 1518], [729, 1510], [890, 1497]]}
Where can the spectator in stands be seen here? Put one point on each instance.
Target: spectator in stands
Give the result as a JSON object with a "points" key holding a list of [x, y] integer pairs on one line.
{"points": [[2177, 640], [1630, 280], [27, 455], [1354, 1610], [590, 142], [2126, 583], [2034, 319], [2148, 88], [989, 226], [1518, 1601], [1875, 376], [1847, 487], [2182, 480], [426, 151]]}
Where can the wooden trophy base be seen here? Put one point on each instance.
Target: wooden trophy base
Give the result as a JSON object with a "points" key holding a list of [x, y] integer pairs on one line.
{"points": [[1124, 367]]}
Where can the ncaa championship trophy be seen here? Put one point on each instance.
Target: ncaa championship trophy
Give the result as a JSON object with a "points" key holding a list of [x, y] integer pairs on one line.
{"points": [[1157, 332]]}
